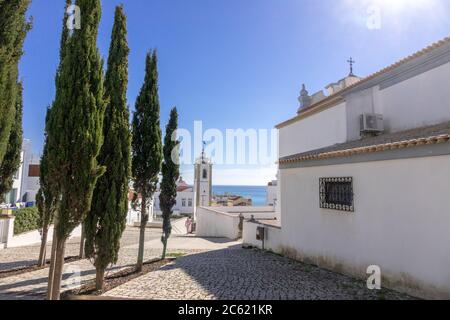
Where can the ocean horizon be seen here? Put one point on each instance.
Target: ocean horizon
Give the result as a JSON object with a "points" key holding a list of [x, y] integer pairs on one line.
{"points": [[258, 194]]}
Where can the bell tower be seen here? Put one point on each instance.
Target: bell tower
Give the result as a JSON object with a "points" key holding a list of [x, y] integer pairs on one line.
{"points": [[203, 181]]}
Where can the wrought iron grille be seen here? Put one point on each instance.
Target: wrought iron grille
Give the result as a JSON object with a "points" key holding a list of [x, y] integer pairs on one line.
{"points": [[337, 194]]}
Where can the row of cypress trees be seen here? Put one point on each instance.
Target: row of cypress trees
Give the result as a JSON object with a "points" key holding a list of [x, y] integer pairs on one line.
{"points": [[90, 149], [13, 29], [86, 162]]}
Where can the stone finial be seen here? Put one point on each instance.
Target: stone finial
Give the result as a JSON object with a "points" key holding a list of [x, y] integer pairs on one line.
{"points": [[304, 99]]}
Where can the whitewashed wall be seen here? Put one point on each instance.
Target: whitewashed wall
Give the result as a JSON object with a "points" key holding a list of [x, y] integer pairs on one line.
{"points": [[272, 196], [416, 102], [247, 212], [273, 241], [419, 101], [134, 216], [33, 237], [317, 131], [401, 222], [215, 224], [179, 208], [223, 222]]}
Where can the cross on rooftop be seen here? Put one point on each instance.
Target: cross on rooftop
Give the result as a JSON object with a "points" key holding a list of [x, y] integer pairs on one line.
{"points": [[352, 62]]}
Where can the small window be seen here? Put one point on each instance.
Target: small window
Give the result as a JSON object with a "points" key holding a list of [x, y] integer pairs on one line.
{"points": [[337, 194], [205, 174], [190, 202], [183, 203], [34, 171]]}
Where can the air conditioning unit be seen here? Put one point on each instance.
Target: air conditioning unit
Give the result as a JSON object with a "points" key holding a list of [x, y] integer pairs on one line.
{"points": [[372, 123]]}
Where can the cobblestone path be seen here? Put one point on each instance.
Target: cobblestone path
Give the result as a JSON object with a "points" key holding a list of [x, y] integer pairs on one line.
{"points": [[238, 274], [33, 285]]}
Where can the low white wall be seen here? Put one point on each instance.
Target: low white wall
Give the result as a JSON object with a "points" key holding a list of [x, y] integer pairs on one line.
{"points": [[401, 222], [259, 213], [6, 230], [273, 241], [215, 224], [34, 237]]}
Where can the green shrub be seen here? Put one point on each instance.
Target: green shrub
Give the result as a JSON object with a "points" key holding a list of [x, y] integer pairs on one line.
{"points": [[26, 220]]}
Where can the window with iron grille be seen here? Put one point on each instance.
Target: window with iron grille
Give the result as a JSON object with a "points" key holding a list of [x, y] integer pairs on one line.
{"points": [[337, 194]]}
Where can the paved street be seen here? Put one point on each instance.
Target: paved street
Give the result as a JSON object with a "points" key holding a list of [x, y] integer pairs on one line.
{"points": [[33, 285], [212, 269], [28, 256], [238, 274]]}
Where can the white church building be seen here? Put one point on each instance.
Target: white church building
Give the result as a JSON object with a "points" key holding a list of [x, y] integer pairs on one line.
{"points": [[364, 175]]}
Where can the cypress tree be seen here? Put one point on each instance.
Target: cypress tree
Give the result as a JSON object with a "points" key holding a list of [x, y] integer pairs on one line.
{"points": [[48, 194], [171, 174], [46, 199], [11, 162], [146, 145], [13, 29], [107, 220], [75, 131]]}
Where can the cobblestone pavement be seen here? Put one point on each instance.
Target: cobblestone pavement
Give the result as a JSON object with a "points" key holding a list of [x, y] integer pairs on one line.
{"points": [[33, 285], [14, 258], [238, 274]]}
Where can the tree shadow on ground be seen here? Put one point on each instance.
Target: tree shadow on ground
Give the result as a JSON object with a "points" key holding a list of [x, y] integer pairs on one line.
{"points": [[7, 266], [39, 285], [249, 274]]}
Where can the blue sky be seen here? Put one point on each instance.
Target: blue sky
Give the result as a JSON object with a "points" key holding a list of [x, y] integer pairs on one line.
{"points": [[237, 63]]}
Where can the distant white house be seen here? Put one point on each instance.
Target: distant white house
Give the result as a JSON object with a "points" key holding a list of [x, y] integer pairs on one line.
{"points": [[364, 176], [185, 200], [26, 179], [185, 204], [272, 193], [14, 196], [31, 172], [134, 210]]}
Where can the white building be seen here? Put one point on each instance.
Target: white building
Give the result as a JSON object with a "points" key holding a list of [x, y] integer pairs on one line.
{"points": [[185, 205], [272, 193], [14, 195], [358, 191], [185, 200], [188, 197], [31, 171], [26, 180], [134, 211]]}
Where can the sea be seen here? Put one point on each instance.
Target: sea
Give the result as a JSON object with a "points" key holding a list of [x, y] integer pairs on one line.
{"points": [[258, 194]]}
